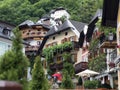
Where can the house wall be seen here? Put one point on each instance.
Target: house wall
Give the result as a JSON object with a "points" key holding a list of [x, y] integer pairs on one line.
{"points": [[59, 37], [118, 42], [4, 45]]}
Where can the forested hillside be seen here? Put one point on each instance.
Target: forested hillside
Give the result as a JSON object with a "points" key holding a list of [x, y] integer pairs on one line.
{"points": [[17, 11]]}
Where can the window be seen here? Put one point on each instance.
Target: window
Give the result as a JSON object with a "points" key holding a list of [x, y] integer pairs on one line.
{"points": [[72, 38], [64, 40], [54, 43], [66, 33], [38, 32], [53, 38], [38, 42], [6, 32], [44, 33], [74, 57]]}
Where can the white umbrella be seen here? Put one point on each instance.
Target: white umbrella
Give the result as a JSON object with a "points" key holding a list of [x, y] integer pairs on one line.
{"points": [[87, 73]]}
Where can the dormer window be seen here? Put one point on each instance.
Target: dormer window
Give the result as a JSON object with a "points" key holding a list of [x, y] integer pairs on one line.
{"points": [[53, 38], [38, 42], [72, 38], [66, 33], [6, 32]]}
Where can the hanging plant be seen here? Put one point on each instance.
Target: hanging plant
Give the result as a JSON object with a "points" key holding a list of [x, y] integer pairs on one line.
{"points": [[104, 29]]}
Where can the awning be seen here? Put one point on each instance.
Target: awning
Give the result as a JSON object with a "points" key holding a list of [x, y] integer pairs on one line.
{"points": [[101, 75], [87, 73]]}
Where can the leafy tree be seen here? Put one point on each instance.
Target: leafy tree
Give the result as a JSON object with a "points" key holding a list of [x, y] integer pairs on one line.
{"points": [[13, 64], [66, 81], [68, 64], [69, 67], [80, 81], [39, 81], [93, 64], [21, 10]]}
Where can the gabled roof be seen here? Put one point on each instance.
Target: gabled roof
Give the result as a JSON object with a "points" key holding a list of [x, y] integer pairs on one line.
{"points": [[27, 22], [59, 8], [66, 25], [97, 14], [7, 23], [92, 25], [30, 24]]}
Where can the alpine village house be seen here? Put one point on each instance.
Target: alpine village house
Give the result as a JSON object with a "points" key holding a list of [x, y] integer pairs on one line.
{"points": [[63, 37], [5, 34]]}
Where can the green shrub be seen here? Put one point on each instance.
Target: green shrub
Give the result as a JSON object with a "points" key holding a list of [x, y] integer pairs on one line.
{"points": [[66, 81], [92, 84], [80, 81], [106, 86]]}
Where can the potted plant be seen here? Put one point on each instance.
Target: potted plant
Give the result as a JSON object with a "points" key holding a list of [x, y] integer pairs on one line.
{"points": [[104, 29]]}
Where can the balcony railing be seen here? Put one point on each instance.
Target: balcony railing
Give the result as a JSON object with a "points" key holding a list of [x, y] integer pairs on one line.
{"points": [[33, 34], [31, 48], [112, 57], [106, 43], [79, 67]]}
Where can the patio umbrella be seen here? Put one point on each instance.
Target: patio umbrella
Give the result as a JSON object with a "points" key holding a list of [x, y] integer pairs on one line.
{"points": [[87, 73], [10, 85]]}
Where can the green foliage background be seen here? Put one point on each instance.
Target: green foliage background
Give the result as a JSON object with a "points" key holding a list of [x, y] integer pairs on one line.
{"points": [[17, 11], [66, 81], [39, 81], [14, 64]]}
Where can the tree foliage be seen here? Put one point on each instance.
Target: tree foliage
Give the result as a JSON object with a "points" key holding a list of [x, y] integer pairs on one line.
{"points": [[68, 64], [39, 81], [98, 63], [17, 11], [66, 81], [13, 64]]}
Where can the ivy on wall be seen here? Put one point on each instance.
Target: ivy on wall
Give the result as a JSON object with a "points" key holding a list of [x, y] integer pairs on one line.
{"points": [[51, 51]]}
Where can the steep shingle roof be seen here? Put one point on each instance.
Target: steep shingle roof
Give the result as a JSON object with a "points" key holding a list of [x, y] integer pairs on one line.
{"points": [[92, 23], [97, 14], [66, 25], [27, 22], [79, 26]]}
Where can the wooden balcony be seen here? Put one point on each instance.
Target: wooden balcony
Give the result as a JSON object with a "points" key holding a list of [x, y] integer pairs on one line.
{"points": [[106, 43], [81, 66], [31, 48], [33, 35]]}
